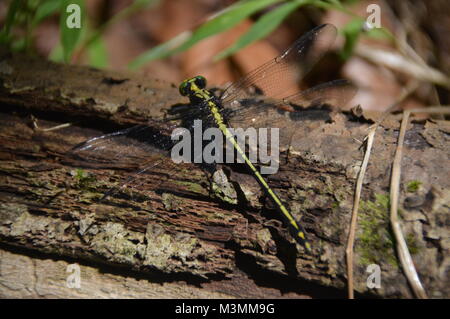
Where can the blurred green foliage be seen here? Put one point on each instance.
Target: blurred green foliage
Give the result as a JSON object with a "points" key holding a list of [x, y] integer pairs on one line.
{"points": [[28, 14], [70, 35]]}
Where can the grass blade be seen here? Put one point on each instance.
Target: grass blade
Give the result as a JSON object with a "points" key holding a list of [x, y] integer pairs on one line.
{"points": [[10, 17], [264, 26], [97, 53], [45, 9], [70, 34], [220, 23]]}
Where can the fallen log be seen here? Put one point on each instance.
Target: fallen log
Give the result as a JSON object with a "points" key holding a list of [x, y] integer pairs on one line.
{"points": [[181, 226]]}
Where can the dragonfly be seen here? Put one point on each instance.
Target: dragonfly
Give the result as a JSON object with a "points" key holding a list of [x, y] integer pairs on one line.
{"points": [[257, 100]]}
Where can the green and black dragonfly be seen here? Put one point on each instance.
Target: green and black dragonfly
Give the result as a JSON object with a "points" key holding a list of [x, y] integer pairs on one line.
{"points": [[257, 100]]}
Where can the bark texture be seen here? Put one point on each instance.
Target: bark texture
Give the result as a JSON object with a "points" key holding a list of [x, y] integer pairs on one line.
{"points": [[184, 233]]}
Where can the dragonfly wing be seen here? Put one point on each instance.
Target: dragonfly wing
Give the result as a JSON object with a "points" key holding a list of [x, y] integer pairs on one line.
{"points": [[139, 149], [125, 147], [335, 94], [288, 113], [290, 67], [262, 114]]}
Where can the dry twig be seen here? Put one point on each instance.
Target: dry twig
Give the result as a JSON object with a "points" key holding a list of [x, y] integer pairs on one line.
{"points": [[370, 138]]}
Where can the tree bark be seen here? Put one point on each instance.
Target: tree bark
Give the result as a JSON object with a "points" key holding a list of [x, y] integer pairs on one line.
{"points": [[182, 229]]}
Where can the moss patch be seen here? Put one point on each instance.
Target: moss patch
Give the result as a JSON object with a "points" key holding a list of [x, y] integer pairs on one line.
{"points": [[171, 202], [376, 242], [413, 186], [191, 186], [83, 179], [222, 188]]}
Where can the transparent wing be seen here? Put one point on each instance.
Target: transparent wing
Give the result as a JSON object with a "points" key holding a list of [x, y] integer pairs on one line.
{"points": [[280, 76], [140, 149], [335, 94], [127, 147], [287, 114]]}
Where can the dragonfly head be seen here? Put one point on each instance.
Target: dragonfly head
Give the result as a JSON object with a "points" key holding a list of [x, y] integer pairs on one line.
{"points": [[190, 86]]}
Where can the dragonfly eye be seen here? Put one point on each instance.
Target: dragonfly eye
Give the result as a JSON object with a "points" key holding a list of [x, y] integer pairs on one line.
{"points": [[200, 82], [184, 88]]}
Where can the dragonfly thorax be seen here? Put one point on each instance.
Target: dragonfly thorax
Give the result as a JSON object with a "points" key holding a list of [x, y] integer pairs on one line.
{"points": [[192, 86]]}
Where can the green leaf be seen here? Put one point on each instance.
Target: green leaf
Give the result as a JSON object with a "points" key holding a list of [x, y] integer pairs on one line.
{"points": [[354, 29], [9, 21], [351, 32], [222, 22], [44, 10], [380, 33], [57, 54], [159, 51], [336, 3], [265, 25], [97, 53], [228, 19], [71, 24]]}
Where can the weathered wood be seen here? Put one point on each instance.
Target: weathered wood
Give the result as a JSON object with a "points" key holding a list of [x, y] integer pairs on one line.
{"points": [[178, 226]]}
